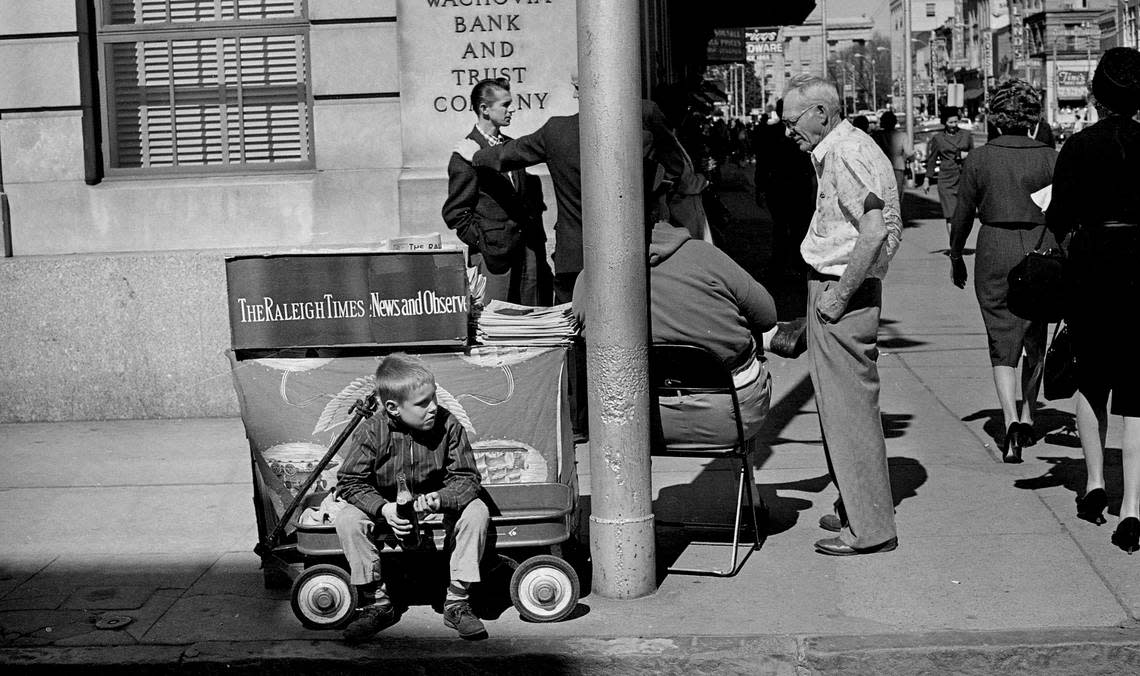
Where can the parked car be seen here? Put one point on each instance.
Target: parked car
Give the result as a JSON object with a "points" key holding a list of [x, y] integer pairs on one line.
{"points": [[871, 116]]}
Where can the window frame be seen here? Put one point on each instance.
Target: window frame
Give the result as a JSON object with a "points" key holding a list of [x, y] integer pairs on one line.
{"points": [[109, 34]]}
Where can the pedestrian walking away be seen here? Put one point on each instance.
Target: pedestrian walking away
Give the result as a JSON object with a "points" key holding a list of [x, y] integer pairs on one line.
{"points": [[854, 232], [1094, 193], [997, 181]]}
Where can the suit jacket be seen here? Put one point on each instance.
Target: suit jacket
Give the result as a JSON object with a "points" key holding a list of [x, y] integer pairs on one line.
{"points": [[492, 212], [556, 144]]}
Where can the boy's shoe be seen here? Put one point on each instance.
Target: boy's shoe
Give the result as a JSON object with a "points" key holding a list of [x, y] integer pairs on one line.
{"points": [[461, 618], [371, 620]]}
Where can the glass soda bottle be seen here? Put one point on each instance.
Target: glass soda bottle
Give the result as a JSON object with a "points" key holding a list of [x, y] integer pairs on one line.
{"points": [[406, 509]]}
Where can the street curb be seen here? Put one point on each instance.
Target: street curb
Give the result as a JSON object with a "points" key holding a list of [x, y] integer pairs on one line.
{"points": [[1043, 651], [676, 655], [1047, 651]]}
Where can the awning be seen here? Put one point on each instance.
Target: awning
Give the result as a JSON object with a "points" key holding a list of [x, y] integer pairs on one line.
{"points": [[745, 13]]}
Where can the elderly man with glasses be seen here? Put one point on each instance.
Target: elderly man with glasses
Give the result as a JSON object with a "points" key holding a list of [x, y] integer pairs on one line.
{"points": [[853, 234]]}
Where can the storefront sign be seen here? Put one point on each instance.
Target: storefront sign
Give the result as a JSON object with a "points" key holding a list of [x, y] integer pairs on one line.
{"points": [[727, 46], [448, 46], [763, 43], [347, 299], [1072, 84]]}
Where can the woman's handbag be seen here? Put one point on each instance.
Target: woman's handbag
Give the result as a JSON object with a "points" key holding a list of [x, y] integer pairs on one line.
{"points": [[1060, 379], [1037, 284]]}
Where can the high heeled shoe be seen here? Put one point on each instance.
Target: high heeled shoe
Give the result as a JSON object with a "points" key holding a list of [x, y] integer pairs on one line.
{"points": [[1127, 534], [1091, 505], [1026, 435], [1011, 445]]}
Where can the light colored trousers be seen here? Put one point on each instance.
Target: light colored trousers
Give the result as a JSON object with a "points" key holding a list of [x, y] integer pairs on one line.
{"points": [[842, 358], [467, 536]]}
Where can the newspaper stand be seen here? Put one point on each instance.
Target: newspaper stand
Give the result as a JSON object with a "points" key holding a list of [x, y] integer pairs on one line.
{"points": [[307, 334]]}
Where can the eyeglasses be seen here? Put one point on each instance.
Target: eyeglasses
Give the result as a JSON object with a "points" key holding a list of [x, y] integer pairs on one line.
{"points": [[791, 124]]}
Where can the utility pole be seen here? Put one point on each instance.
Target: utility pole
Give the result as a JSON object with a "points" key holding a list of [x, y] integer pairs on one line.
{"points": [[1055, 80], [823, 36], [622, 538], [908, 75]]}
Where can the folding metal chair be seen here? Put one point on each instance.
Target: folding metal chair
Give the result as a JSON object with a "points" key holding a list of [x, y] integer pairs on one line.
{"points": [[677, 369]]}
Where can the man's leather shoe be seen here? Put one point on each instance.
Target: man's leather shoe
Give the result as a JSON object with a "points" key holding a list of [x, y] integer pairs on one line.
{"points": [[837, 547], [831, 522], [790, 339]]}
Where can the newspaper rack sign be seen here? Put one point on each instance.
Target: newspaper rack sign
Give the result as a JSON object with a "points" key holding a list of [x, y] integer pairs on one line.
{"points": [[321, 300]]}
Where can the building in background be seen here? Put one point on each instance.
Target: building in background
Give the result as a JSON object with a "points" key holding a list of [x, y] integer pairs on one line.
{"points": [[802, 50], [926, 17], [143, 141], [1063, 43], [1129, 23]]}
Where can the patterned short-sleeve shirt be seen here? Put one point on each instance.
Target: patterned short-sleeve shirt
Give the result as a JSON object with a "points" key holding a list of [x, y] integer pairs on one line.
{"points": [[849, 166]]}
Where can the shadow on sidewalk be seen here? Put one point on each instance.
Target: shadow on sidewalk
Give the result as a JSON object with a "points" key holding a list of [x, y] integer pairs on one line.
{"points": [[1069, 473], [1050, 425]]}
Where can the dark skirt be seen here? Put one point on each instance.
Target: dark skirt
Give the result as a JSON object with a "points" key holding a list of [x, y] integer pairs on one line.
{"points": [[1106, 285], [1000, 248], [948, 193]]}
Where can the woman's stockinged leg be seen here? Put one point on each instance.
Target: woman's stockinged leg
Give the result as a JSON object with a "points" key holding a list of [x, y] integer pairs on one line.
{"points": [[1130, 451], [1032, 370], [1005, 381], [1092, 425]]}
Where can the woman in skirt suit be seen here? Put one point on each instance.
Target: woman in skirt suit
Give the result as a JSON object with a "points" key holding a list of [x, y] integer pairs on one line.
{"points": [[948, 150], [1096, 195], [997, 181]]}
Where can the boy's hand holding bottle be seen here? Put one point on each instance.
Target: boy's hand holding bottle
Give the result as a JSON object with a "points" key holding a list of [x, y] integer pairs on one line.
{"points": [[428, 503]]}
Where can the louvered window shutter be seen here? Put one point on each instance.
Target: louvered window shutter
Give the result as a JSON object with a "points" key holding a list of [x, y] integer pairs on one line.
{"points": [[225, 95]]}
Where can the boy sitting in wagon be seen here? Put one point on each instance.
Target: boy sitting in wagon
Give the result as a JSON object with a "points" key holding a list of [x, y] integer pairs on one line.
{"points": [[424, 442]]}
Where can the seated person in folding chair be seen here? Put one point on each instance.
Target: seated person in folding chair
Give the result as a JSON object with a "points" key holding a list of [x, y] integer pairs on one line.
{"points": [[700, 296]]}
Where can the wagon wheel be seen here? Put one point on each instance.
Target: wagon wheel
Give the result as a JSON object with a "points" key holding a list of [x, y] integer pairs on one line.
{"points": [[544, 589], [323, 597]]}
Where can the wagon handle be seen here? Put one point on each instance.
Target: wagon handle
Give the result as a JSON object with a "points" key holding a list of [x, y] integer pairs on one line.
{"points": [[363, 408]]}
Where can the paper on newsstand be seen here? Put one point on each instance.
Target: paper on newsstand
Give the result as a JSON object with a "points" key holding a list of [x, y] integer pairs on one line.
{"points": [[1042, 197], [510, 323]]}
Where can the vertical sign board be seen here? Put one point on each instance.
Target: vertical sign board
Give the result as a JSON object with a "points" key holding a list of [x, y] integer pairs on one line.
{"points": [[1017, 36], [322, 300], [958, 57], [447, 46], [987, 54]]}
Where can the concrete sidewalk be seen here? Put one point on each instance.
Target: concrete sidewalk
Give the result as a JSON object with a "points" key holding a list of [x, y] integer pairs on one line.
{"points": [[153, 520]]}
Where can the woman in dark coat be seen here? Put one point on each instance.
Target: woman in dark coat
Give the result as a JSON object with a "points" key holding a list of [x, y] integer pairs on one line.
{"points": [[948, 149], [1096, 195], [997, 181]]}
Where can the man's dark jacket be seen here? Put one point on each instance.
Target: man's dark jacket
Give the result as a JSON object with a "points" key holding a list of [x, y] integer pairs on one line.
{"points": [[556, 144], [492, 213]]}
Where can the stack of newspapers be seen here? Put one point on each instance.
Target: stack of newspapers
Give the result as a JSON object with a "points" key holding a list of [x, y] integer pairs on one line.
{"points": [[501, 322]]}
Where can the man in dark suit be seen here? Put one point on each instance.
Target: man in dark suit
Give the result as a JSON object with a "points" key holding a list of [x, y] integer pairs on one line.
{"points": [[498, 213], [556, 144]]}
